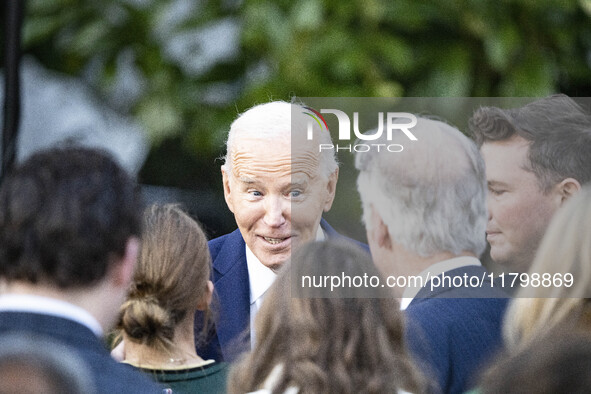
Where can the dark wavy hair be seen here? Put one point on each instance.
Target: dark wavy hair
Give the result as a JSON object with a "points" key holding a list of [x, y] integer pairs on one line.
{"points": [[65, 215], [558, 362], [559, 132], [345, 343]]}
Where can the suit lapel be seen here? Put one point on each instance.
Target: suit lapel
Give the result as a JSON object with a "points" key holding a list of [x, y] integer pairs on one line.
{"points": [[232, 286], [330, 232]]}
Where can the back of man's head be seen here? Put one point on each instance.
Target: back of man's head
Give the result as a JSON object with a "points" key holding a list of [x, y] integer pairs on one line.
{"points": [[431, 195], [558, 131], [66, 214]]}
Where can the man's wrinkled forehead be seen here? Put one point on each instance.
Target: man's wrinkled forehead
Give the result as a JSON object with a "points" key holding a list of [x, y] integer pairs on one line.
{"points": [[273, 155]]}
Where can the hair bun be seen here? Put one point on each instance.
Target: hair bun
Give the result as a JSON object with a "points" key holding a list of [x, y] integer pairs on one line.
{"points": [[145, 320]]}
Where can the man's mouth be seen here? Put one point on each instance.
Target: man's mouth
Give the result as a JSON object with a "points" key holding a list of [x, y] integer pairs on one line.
{"points": [[274, 241], [492, 234]]}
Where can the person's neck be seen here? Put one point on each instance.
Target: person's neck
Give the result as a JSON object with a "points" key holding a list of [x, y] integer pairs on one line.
{"points": [[183, 353], [420, 263], [407, 263]]}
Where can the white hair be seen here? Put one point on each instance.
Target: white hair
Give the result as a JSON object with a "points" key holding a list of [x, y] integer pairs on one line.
{"points": [[432, 195], [280, 119]]}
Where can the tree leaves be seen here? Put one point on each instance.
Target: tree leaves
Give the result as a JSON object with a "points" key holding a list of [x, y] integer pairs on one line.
{"points": [[194, 65]]}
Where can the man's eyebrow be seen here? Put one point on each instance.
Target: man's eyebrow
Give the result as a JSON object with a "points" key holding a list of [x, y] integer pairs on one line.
{"points": [[244, 179], [496, 183], [300, 185]]}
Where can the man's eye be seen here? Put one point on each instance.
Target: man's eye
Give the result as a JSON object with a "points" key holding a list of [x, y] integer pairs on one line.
{"points": [[255, 193], [294, 193], [496, 192]]}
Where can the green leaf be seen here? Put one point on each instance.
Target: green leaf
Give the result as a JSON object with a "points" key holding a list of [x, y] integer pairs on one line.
{"points": [[533, 77], [450, 76], [160, 117], [307, 15], [501, 48], [90, 37]]}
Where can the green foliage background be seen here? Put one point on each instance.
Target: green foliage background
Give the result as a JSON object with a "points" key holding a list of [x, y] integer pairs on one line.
{"points": [[356, 48]]}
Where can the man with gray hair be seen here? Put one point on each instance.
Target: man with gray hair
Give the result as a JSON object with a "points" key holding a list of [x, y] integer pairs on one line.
{"points": [[425, 216], [277, 184], [537, 156]]}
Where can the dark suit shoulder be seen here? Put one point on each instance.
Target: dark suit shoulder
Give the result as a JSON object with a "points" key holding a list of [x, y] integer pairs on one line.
{"points": [[216, 244], [116, 377], [331, 233], [108, 375], [452, 338], [463, 282], [436, 313]]}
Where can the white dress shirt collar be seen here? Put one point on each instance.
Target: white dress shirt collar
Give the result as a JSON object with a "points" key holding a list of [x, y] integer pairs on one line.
{"points": [[260, 278], [49, 306], [435, 270]]}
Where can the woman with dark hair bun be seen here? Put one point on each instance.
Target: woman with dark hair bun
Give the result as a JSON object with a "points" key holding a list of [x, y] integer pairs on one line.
{"points": [[348, 339], [171, 281]]}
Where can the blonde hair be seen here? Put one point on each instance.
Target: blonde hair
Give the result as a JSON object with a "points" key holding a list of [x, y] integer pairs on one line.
{"points": [[565, 249], [170, 278], [344, 343]]}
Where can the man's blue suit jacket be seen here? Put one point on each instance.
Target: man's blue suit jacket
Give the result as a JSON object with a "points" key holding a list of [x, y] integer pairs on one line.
{"points": [[454, 332], [108, 375], [231, 335]]}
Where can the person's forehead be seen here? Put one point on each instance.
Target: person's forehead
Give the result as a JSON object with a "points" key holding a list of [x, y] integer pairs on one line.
{"points": [[507, 162], [261, 150], [506, 153], [513, 144], [275, 154]]}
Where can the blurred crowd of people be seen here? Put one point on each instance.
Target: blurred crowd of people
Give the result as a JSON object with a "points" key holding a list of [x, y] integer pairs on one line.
{"points": [[101, 294]]}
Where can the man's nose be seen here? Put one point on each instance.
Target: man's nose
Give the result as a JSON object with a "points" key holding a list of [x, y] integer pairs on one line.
{"points": [[489, 205], [275, 211]]}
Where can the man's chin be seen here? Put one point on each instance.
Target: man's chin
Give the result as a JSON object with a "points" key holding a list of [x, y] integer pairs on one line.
{"points": [[508, 261], [499, 257], [274, 261]]}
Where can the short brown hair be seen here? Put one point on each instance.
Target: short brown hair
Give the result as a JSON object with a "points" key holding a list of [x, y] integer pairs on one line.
{"points": [[65, 213], [559, 132]]}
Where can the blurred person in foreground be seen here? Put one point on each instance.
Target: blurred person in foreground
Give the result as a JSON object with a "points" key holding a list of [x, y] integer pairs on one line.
{"points": [[563, 263], [347, 341], [425, 216], [277, 184], [34, 364], [548, 365], [537, 157], [171, 281], [70, 221]]}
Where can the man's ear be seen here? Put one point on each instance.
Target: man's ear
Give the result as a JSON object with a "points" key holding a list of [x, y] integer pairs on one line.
{"points": [[227, 189], [122, 271], [204, 302], [331, 189], [382, 232], [567, 188], [377, 231]]}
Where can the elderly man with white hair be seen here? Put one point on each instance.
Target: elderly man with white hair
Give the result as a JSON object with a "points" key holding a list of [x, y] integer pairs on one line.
{"points": [[425, 214], [277, 183]]}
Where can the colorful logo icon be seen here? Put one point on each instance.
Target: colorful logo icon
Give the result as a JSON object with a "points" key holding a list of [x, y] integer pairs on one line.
{"points": [[316, 116]]}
